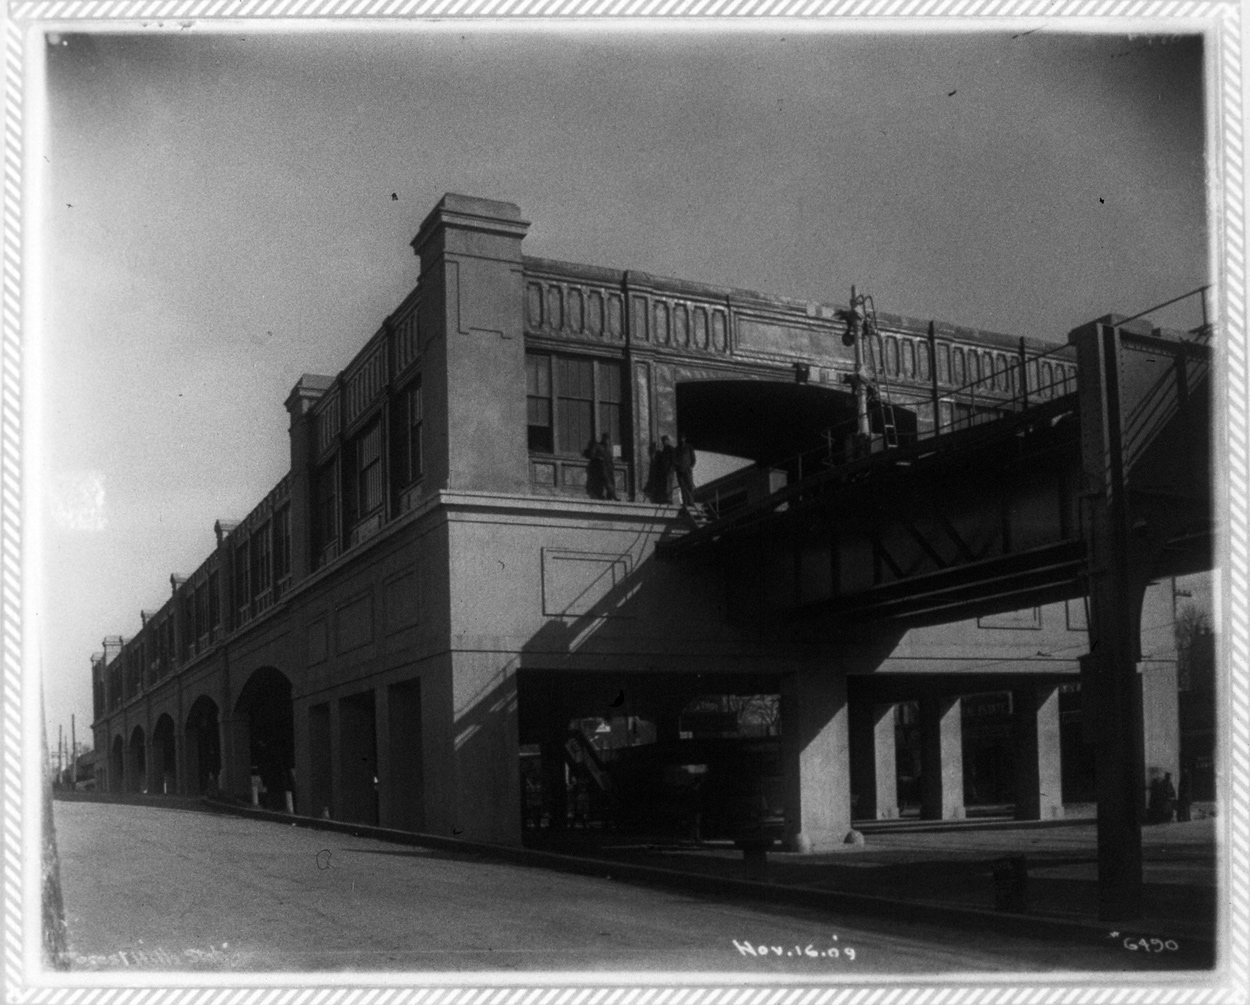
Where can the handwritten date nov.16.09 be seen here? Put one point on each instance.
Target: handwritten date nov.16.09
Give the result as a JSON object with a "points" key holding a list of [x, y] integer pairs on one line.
{"points": [[808, 951]]}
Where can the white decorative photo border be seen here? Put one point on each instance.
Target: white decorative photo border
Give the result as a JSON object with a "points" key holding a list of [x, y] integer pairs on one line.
{"points": [[23, 977]]}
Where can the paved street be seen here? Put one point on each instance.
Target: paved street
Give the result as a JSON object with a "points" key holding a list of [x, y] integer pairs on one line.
{"points": [[169, 889]]}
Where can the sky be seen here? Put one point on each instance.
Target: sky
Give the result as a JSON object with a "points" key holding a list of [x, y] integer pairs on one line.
{"points": [[225, 210]]}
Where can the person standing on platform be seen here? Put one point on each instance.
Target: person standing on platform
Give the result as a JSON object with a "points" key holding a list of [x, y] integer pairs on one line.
{"points": [[605, 469], [600, 471], [683, 464], [662, 475]]}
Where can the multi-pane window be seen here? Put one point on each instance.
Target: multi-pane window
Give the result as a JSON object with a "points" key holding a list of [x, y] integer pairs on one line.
{"points": [[575, 403], [214, 606], [571, 402], [538, 403], [281, 545], [325, 505], [608, 386], [407, 456], [241, 594], [164, 643], [201, 614], [259, 548], [364, 486], [189, 633]]}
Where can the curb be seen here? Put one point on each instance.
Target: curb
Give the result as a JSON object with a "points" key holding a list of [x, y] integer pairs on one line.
{"points": [[905, 911], [160, 801]]}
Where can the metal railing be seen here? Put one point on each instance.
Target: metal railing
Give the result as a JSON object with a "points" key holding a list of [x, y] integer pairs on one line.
{"points": [[730, 497]]}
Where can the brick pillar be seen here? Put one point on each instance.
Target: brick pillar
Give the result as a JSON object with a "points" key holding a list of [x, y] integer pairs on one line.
{"points": [[471, 319], [181, 786], [873, 762], [336, 767], [385, 769], [815, 758], [299, 404], [1161, 738], [1039, 775], [942, 759]]}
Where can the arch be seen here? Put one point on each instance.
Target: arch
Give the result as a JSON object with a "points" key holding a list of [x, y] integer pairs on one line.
{"points": [[117, 765], [164, 772], [202, 747], [264, 708], [137, 761]]}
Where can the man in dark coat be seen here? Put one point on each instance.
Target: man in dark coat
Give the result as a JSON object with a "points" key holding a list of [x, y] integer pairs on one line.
{"points": [[601, 471], [683, 464], [662, 472], [607, 469]]}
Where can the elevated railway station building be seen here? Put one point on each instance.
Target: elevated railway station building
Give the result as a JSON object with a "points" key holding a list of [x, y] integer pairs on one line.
{"points": [[415, 627]]}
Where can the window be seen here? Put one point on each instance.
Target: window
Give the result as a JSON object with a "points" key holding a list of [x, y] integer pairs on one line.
{"points": [[538, 403], [582, 396], [281, 545], [407, 457], [241, 594], [608, 381], [214, 606], [259, 548], [201, 614], [189, 634], [162, 645], [362, 491], [325, 506]]}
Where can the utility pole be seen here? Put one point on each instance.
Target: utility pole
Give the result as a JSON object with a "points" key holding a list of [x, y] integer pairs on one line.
{"points": [[858, 331], [73, 739]]}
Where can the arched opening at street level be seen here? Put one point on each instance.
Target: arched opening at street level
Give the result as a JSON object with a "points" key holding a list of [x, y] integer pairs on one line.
{"points": [[265, 735], [137, 762], [117, 766], [164, 775], [202, 747]]}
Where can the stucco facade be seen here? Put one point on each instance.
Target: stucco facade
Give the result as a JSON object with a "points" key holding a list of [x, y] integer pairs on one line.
{"points": [[430, 590]]}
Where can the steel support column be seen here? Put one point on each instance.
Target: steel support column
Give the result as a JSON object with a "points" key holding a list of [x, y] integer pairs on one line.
{"points": [[1110, 669]]}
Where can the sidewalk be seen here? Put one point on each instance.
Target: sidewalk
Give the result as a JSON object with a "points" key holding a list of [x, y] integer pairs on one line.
{"points": [[951, 865]]}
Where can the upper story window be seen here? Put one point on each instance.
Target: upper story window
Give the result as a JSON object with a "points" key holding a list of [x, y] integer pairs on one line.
{"points": [[570, 402], [407, 448], [259, 547], [214, 606], [241, 595], [538, 403], [363, 482], [201, 615], [281, 545], [189, 633], [325, 506], [165, 643]]}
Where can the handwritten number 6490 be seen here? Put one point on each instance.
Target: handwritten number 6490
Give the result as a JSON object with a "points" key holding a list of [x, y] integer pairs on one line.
{"points": [[1151, 945]]}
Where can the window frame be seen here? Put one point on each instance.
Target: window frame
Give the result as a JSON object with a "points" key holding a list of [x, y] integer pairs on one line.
{"points": [[407, 438], [605, 412]]}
